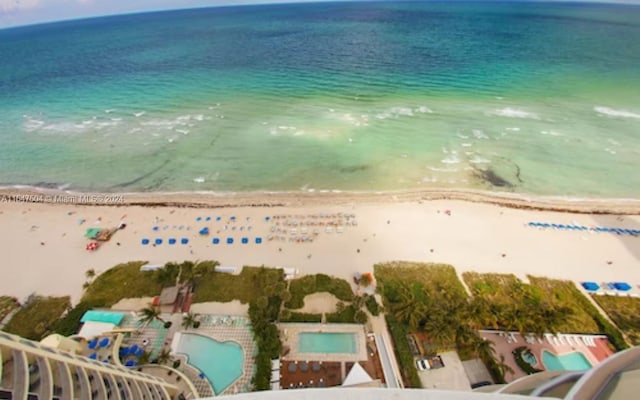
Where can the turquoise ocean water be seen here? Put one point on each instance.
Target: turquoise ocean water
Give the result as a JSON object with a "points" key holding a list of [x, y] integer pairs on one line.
{"points": [[534, 98]]}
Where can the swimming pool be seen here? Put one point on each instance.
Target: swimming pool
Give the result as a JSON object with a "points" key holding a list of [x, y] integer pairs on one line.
{"points": [[575, 361], [220, 362], [327, 342]]}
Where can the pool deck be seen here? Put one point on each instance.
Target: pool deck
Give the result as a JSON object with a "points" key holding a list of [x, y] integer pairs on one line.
{"points": [[594, 347], [289, 334], [228, 328]]}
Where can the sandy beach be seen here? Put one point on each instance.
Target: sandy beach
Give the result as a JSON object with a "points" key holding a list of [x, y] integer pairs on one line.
{"points": [[43, 244]]}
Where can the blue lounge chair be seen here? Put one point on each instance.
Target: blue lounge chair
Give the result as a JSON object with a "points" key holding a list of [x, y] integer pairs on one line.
{"points": [[215, 240], [184, 240], [204, 231], [145, 241]]}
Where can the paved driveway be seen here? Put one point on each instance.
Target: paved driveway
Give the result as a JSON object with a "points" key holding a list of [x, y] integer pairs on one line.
{"points": [[451, 377]]}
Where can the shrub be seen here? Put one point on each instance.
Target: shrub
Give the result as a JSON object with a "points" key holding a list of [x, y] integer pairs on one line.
{"points": [[347, 316], [372, 305], [403, 353], [300, 317], [309, 284], [360, 317], [70, 323]]}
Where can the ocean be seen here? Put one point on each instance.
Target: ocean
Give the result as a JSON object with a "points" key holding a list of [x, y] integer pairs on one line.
{"points": [[534, 98]]}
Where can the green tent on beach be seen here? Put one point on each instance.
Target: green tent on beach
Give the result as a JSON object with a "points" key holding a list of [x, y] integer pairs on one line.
{"points": [[92, 233]]}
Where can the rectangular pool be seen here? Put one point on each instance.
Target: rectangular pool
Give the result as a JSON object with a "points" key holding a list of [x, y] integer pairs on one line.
{"points": [[329, 342]]}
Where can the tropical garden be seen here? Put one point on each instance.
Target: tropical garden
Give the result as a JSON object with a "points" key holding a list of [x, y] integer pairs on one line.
{"points": [[625, 313], [428, 300]]}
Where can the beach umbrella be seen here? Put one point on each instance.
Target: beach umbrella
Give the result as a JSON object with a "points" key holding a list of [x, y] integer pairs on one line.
{"points": [[304, 367], [133, 349], [184, 240], [129, 363], [172, 241], [93, 356], [104, 342], [292, 367], [215, 240], [158, 241], [123, 351], [201, 375], [258, 240], [624, 286], [139, 353], [245, 240], [204, 231], [233, 218], [208, 218], [155, 228], [590, 286], [145, 241], [229, 240], [267, 218], [199, 219], [218, 218], [93, 343]]}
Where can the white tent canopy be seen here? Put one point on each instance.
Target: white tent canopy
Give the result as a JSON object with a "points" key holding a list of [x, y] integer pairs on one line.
{"points": [[356, 376]]}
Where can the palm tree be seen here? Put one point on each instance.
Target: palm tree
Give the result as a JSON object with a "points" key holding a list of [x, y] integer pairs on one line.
{"points": [[150, 314], [484, 348], [503, 367], [190, 320], [163, 357]]}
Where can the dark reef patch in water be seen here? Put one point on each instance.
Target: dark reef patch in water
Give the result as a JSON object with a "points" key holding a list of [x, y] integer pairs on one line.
{"points": [[141, 177], [492, 178], [354, 168]]}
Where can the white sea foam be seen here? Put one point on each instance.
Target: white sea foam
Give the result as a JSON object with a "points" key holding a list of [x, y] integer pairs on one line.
{"points": [[479, 160], [183, 131], [139, 114], [467, 144], [424, 110], [109, 111], [452, 159], [550, 133], [461, 136], [479, 134], [199, 179], [513, 129], [443, 169], [513, 113], [613, 142], [612, 112]]}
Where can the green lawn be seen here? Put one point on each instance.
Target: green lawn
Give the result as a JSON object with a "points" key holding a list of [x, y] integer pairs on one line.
{"points": [[308, 284], [625, 312], [7, 304], [35, 320], [121, 282], [251, 283]]}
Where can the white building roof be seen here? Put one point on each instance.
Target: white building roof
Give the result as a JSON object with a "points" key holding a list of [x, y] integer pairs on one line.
{"points": [[91, 329], [356, 376]]}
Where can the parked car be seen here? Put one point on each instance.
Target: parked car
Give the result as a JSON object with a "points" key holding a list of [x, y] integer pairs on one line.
{"points": [[480, 384], [422, 365]]}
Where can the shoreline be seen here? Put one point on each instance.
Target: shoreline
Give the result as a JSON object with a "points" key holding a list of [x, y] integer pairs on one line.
{"points": [[204, 199]]}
